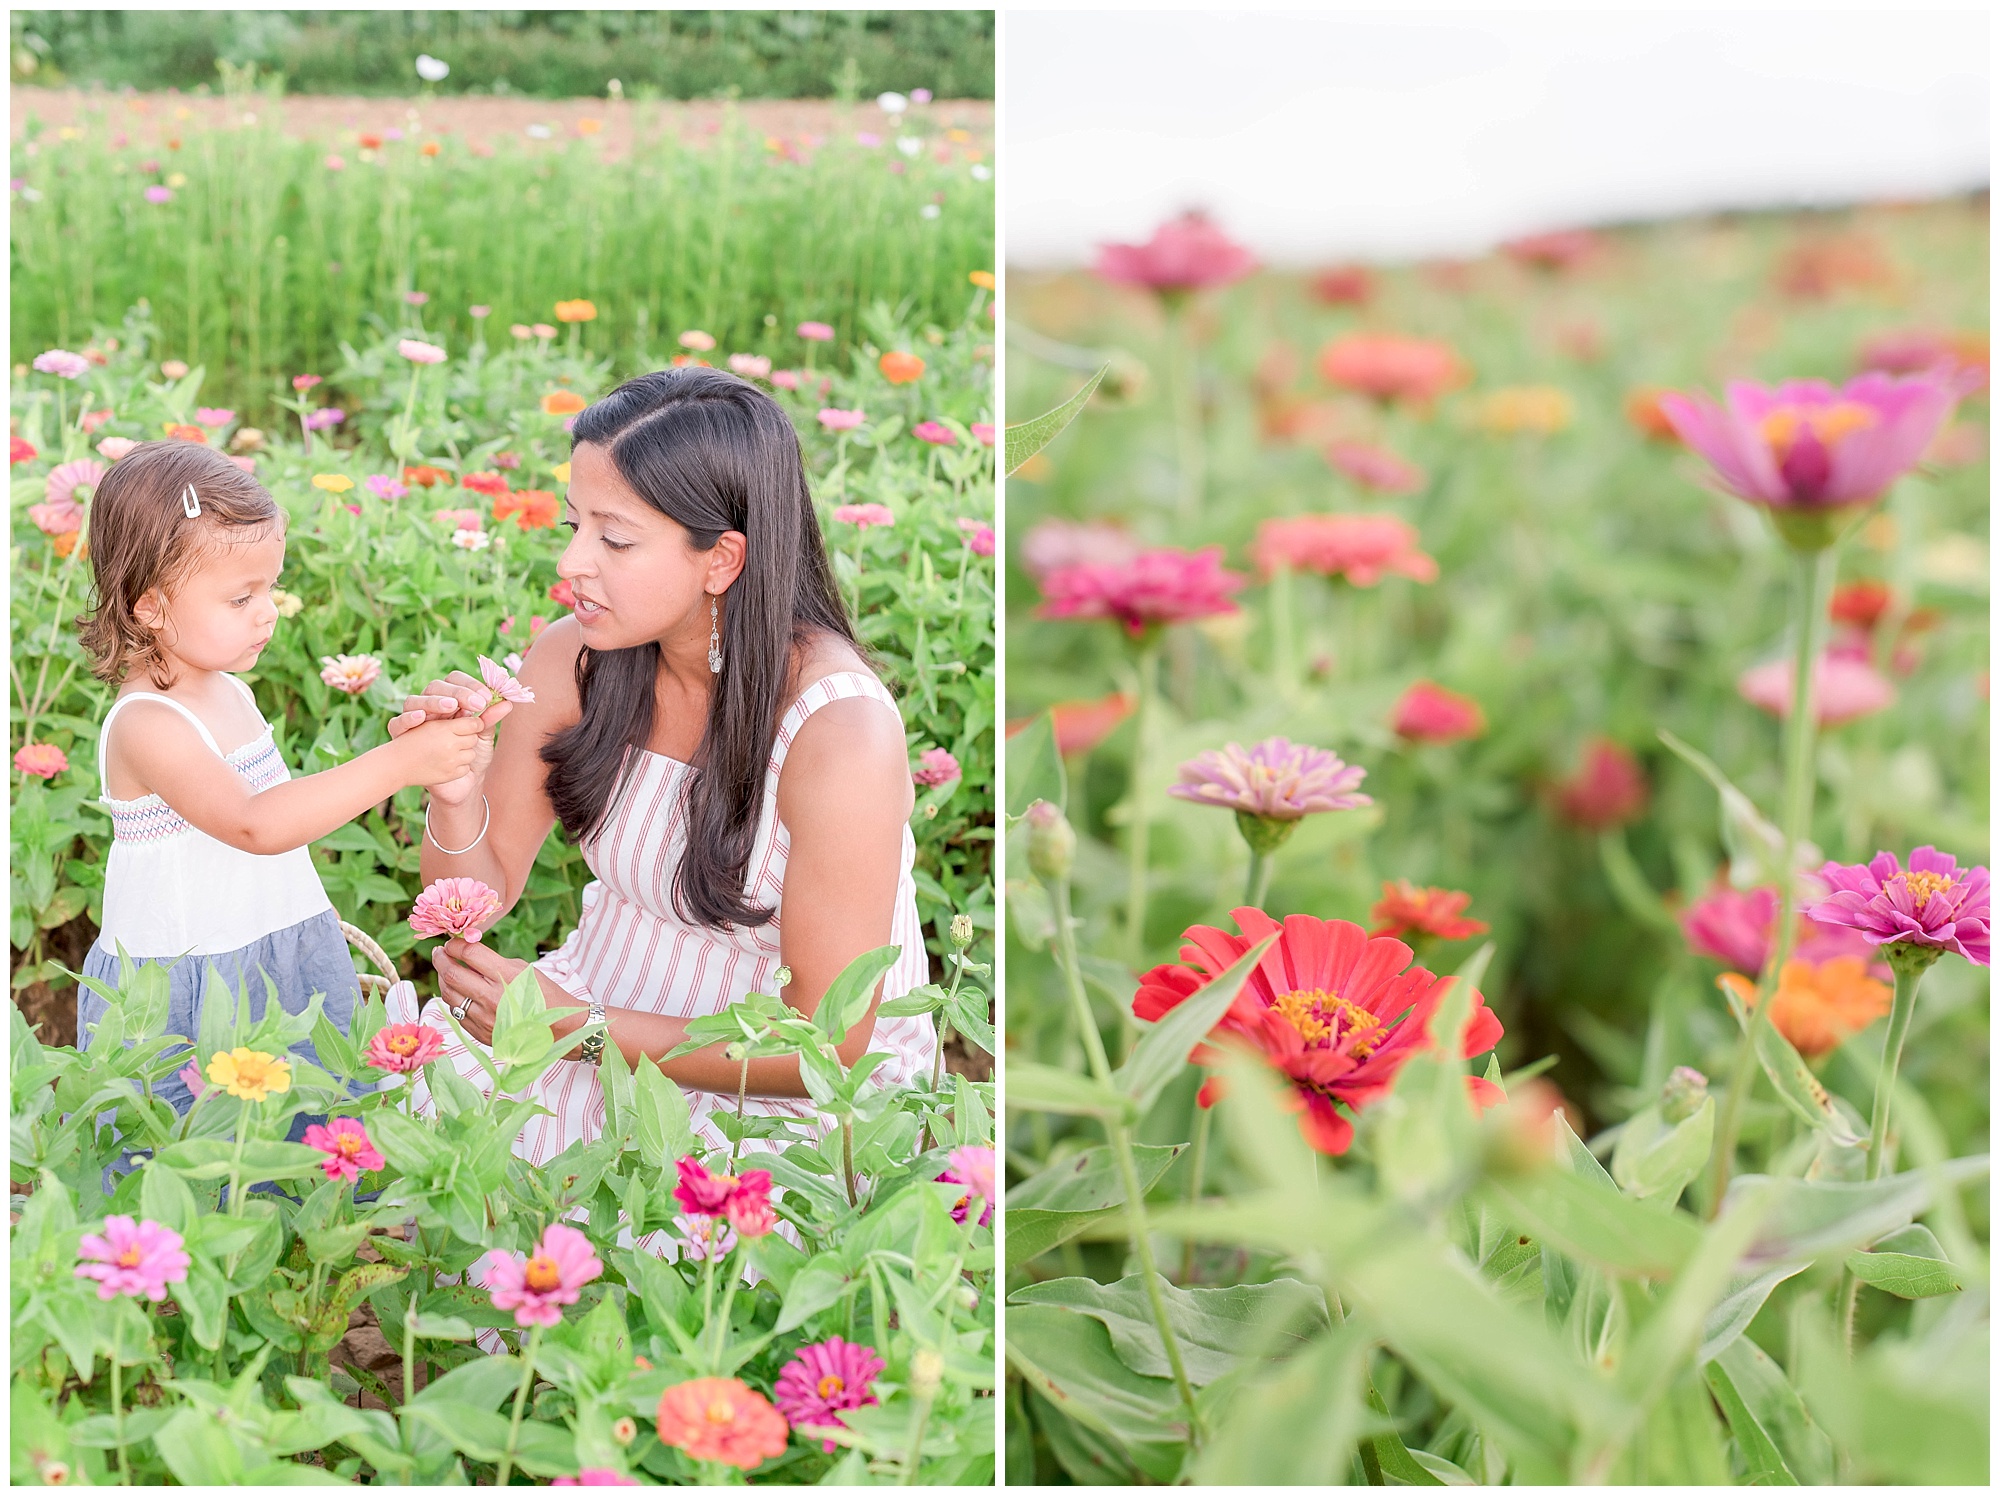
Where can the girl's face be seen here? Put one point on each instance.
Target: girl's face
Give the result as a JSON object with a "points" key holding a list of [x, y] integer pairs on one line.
{"points": [[637, 576], [221, 616]]}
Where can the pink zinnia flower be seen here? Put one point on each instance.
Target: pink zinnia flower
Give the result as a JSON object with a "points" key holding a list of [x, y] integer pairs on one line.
{"points": [[350, 673], [935, 766], [699, 341], [786, 379], [841, 420], [1735, 926], [824, 1380], [157, 194], [1185, 254], [1375, 468], [502, 683], [190, 1076], [1428, 713], [1934, 903], [1608, 788], [1918, 350], [972, 1167], [403, 1047], [461, 519], [745, 1200], [979, 536], [1806, 445], [706, 1237], [115, 447], [418, 352], [1363, 548], [347, 1147], [816, 332], [95, 420], [1056, 543], [1154, 588], [455, 906], [384, 487], [62, 363], [983, 433], [64, 518], [72, 482], [416, 298], [1278, 779], [595, 1476], [139, 1258], [211, 417], [20, 451], [537, 1286], [326, 416], [304, 382], [1390, 367], [562, 594], [42, 760], [750, 365], [864, 515], [1845, 686], [935, 432]]}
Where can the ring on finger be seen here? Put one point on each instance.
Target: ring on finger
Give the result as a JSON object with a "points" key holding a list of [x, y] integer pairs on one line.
{"points": [[461, 1010]]}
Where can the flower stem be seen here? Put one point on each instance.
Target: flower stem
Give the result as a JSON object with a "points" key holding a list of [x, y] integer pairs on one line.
{"points": [[118, 1396], [406, 440], [520, 1405], [1812, 583], [1908, 976], [920, 1417], [1121, 1146], [1186, 405], [236, 1169], [1261, 866], [1284, 658], [1197, 1166], [847, 1158], [722, 1319], [1137, 828], [409, 1374]]}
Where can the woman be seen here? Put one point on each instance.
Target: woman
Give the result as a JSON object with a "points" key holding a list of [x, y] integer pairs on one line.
{"points": [[706, 729]]}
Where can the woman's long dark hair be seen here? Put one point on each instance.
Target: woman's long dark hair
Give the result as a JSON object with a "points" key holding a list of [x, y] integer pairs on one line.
{"points": [[713, 453]]}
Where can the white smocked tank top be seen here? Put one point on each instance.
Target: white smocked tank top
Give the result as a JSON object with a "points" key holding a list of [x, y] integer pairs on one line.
{"points": [[173, 890]]}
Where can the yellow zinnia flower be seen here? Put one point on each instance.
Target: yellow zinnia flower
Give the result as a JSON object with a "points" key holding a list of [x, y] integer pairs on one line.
{"points": [[288, 605], [561, 471], [1537, 408], [982, 278], [575, 311], [250, 1074], [333, 482]]}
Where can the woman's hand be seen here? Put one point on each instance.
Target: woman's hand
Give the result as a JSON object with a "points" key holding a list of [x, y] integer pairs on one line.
{"points": [[471, 976], [454, 696]]}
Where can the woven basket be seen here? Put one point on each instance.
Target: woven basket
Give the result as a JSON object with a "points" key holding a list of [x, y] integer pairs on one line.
{"points": [[371, 984]]}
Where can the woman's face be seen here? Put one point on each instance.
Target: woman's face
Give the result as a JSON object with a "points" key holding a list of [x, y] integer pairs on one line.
{"points": [[637, 576]]}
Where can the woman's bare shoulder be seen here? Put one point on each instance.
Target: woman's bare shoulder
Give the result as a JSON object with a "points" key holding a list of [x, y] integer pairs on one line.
{"points": [[549, 670]]}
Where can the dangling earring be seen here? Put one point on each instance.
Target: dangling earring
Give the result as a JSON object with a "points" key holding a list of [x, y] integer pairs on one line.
{"points": [[714, 641]]}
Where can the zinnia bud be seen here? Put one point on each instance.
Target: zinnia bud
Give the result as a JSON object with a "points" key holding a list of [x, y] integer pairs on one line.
{"points": [[1051, 842], [1683, 1094], [926, 1373]]}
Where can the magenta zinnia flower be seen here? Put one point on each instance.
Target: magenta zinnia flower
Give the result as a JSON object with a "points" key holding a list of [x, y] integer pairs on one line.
{"points": [[1278, 779], [1845, 686], [384, 487], [1735, 926], [935, 432], [1807, 445], [822, 1381], [139, 1258], [537, 1286], [455, 906], [979, 536], [402, 1047], [745, 1200], [326, 416], [1428, 713], [1155, 587], [347, 1146], [209, 416], [935, 766], [972, 1167], [1934, 903], [1188, 253], [595, 1475]]}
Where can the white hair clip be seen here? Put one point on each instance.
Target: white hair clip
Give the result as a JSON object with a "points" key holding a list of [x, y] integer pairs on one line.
{"points": [[191, 503]]}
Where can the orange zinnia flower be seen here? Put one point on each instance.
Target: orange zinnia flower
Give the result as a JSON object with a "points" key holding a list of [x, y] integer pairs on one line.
{"points": [[1389, 367], [1642, 410], [494, 485], [1081, 725], [562, 403], [536, 507], [1406, 909], [425, 476], [575, 311], [901, 368], [187, 434], [1819, 1004], [718, 1418]]}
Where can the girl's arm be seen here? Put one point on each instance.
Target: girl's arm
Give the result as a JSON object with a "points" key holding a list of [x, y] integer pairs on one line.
{"points": [[509, 775], [169, 759], [845, 796]]}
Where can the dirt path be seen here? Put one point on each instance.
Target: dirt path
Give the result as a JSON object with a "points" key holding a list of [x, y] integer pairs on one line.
{"points": [[339, 119]]}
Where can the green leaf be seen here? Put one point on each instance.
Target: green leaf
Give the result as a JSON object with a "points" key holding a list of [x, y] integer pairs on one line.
{"points": [[1741, 1301], [847, 999], [1063, 1200], [1293, 1422], [199, 1450], [1218, 1328], [1760, 1385], [479, 1384], [1595, 1225], [1035, 769], [1756, 847], [1813, 1218], [665, 1130], [1067, 1358], [1763, 1462], [1162, 1050], [165, 1197], [1904, 1275], [1043, 1088], [823, 1282], [1792, 1078], [1656, 1159], [1028, 437]]}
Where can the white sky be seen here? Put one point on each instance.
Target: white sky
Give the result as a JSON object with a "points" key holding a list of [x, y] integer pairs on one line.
{"points": [[1320, 135]]}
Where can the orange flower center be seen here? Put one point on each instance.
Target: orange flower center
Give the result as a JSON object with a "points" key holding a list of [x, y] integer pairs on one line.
{"points": [[1327, 1021], [129, 1257], [404, 1044], [1827, 422], [720, 1410], [1923, 885], [831, 1386], [542, 1274], [349, 1143]]}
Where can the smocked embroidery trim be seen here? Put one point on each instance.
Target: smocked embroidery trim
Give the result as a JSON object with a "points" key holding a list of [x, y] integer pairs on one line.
{"points": [[153, 820]]}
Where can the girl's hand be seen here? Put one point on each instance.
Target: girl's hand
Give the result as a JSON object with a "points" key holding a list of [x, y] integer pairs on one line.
{"points": [[440, 752], [456, 696], [472, 976]]}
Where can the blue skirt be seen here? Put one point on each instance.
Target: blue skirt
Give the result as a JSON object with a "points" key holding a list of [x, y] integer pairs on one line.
{"points": [[305, 958]]}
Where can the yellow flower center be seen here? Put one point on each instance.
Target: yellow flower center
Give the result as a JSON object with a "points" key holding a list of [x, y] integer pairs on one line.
{"points": [[1827, 422], [720, 1410], [1322, 1016], [542, 1274], [1923, 885], [129, 1257], [831, 1386], [404, 1044], [349, 1143]]}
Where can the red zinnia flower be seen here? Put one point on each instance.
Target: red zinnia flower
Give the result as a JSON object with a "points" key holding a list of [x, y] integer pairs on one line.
{"points": [[1405, 909], [1860, 603], [1428, 713], [1329, 1006], [487, 483], [536, 507], [1363, 548], [1608, 790]]}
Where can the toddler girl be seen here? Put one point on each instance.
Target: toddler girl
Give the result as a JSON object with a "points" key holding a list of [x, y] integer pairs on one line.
{"points": [[209, 864]]}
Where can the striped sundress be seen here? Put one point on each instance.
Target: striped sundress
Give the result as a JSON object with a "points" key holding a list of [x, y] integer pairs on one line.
{"points": [[632, 950]]}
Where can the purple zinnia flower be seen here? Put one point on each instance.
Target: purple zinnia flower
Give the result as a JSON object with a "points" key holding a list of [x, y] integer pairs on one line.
{"points": [[1278, 780], [934, 767], [157, 194], [384, 487], [822, 1381], [1935, 903], [325, 416], [1806, 445]]}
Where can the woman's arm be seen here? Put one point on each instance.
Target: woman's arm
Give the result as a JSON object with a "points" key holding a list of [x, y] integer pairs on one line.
{"points": [[845, 796]]}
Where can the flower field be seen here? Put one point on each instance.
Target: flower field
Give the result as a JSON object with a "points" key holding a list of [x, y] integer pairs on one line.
{"points": [[1478, 1010], [195, 1297]]}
